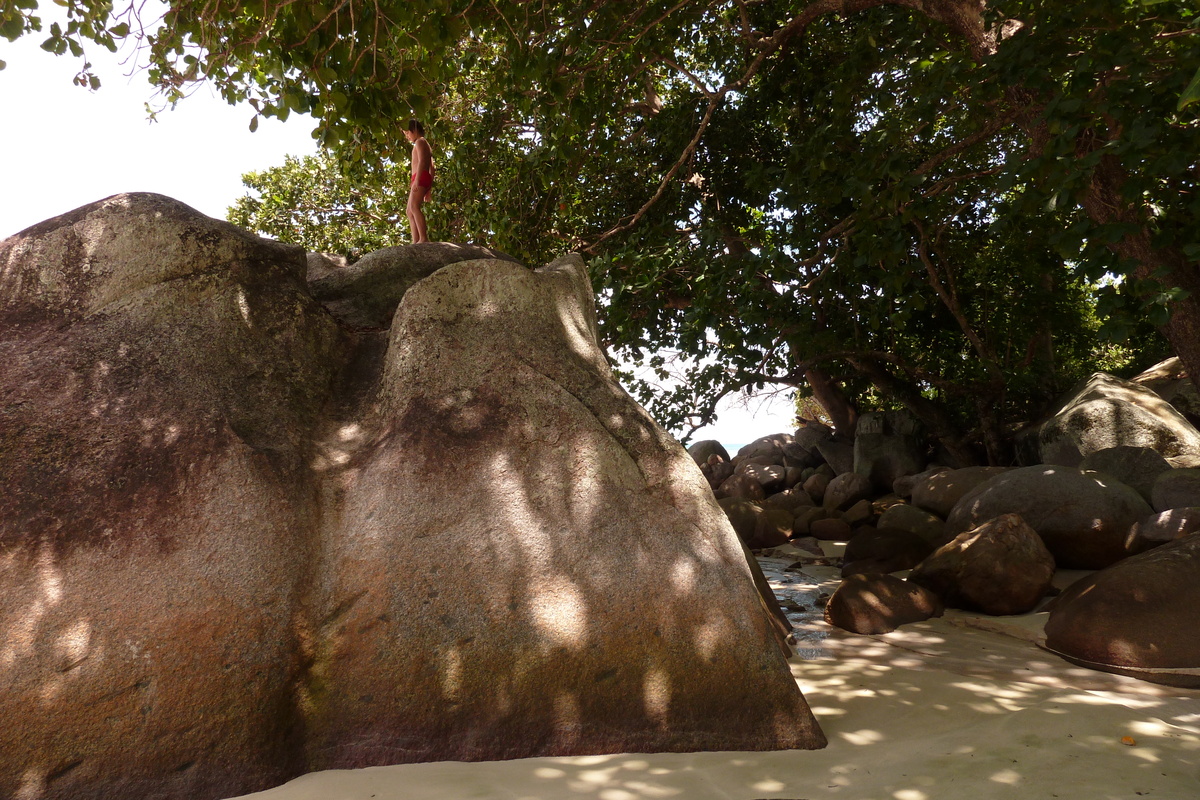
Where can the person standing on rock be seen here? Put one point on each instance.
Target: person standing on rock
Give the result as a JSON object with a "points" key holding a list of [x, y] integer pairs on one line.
{"points": [[421, 186]]}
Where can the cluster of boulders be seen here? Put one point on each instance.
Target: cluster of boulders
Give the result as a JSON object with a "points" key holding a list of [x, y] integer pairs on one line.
{"points": [[1114, 487]]}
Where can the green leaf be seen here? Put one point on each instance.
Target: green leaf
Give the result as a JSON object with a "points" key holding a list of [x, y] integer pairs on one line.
{"points": [[1191, 94], [254, 123]]}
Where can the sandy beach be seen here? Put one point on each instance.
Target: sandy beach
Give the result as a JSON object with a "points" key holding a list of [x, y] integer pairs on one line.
{"points": [[964, 706]]}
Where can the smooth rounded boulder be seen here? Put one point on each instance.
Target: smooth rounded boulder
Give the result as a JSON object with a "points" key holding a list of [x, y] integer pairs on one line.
{"points": [[702, 450], [1177, 488], [1083, 518], [1105, 411], [874, 604], [1137, 467], [1138, 617], [1165, 526], [1002, 567], [938, 492], [845, 490]]}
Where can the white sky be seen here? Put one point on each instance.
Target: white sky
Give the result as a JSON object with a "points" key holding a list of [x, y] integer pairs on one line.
{"points": [[62, 146]]}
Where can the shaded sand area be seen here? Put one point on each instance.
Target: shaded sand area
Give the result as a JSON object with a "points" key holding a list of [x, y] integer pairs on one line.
{"points": [[959, 707]]}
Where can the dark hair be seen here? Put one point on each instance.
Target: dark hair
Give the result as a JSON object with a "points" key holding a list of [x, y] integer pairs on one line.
{"points": [[416, 127]]}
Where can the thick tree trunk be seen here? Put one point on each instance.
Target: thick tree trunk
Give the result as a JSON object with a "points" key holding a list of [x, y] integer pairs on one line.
{"points": [[1104, 202], [936, 419], [837, 406]]}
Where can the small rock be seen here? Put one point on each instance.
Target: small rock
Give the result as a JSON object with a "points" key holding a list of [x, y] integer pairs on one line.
{"points": [[830, 530], [1163, 527], [900, 549], [773, 528], [1179, 488], [703, 450], [792, 499], [859, 513], [879, 604], [815, 485], [741, 486], [769, 476], [845, 490], [903, 517], [802, 523]]}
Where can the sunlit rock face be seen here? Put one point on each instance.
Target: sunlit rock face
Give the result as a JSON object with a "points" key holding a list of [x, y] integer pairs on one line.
{"points": [[239, 542], [1105, 411]]}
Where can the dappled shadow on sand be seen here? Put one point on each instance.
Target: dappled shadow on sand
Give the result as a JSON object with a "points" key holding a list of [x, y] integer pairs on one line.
{"points": [[935, 712]]}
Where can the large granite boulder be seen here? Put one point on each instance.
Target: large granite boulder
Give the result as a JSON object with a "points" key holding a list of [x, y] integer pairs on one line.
{"points": [[1138, 617], [1169, 380], [241, 541], [1105, 411], [1001, 567], [1137, 467], [939, 491], [1084, 518], [888, 445]]}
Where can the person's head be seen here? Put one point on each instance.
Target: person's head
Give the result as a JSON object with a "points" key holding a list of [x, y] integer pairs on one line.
{"points": [[415, 130]]}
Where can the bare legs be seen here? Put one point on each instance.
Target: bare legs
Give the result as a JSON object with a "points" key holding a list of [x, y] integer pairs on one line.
{"points": [[416, 217]]}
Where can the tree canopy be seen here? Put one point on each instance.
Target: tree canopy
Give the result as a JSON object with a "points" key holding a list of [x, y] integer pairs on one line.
{"points": [[911, 202]]}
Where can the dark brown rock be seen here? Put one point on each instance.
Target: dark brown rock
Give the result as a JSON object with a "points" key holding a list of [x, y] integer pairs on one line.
{"points": [[793, 500], [845, 490], [904, 517], [1137, 467], [743, 486], [769, 476], [815, 485], [900, 549], [805, 517], [1001, 567], [774, 527], [938, 492], [879, 604], [830, 529], [704, 449], [1138, 617], [1177, 488], [1165, 526], [1083, 517]]}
